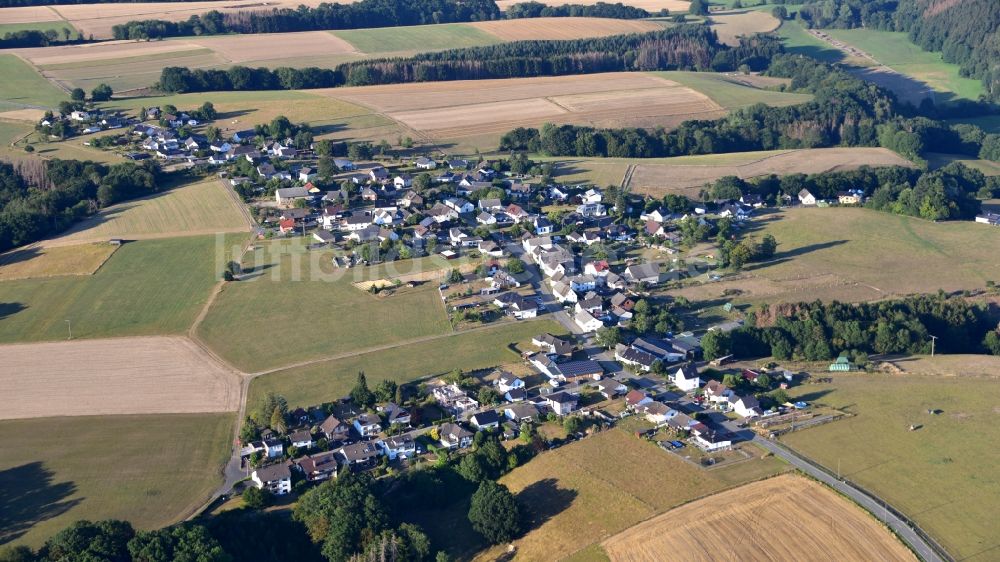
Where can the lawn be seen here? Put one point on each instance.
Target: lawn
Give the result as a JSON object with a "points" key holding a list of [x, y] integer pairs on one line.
{"points": [[331, 380], [852, 254], [943, 474], [148, 287], [22, 86], [731, 94], [896, 51], [416, 38], [26, 263], [150, 470], [198, 207], [582, 493], [300, 307]]}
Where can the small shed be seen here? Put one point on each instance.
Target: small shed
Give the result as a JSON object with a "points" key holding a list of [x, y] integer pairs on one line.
{"points": [[842, 364]]}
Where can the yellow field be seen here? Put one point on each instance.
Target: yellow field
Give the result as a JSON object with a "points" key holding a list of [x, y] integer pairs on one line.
{"points": [[26, 263], [783, 518], [649, 5], [154, 375], [687, 175], [197, 208], [587, 491], [485, 109], [562, 28], [731, 25]]}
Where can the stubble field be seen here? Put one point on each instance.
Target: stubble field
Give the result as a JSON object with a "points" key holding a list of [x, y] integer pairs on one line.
{"points": [[156, 375], [200, 207], [480, 111], [731, 25], [783, 518], [686, 175], [940, 472], [588, 491], [35, 261]]}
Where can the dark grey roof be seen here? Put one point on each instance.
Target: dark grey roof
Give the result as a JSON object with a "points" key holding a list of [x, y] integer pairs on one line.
{"points": [[580, 368], [273, 472], [486, 418]]}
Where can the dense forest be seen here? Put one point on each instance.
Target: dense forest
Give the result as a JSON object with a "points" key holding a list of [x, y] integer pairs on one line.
{"points": [[39, 199], [687, 47], [357, 15], [820, 331], [966, 32]]}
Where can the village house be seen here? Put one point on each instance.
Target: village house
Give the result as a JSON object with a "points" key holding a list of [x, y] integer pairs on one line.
{"points": [[506, 382], [334, 429], [454, 436], [633, 357], [289, 195], [485, 420], [360, 455], [745, 406], [806, 198], [522, 412], [398, 447], [648, 273], [636, 398], [552, 344], [318, 467], [586, 321], [275, 478], [367, 425], [516, 305], [686, 378], [301, 439], [610, 388], [454, 399], [562, 403], [395, 415]]}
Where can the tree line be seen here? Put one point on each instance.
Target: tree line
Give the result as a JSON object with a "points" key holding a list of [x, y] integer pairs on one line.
{"points": [[818, 331], [357, 15], [35, 38], [686, 47], [39, 199], [964, 33]]}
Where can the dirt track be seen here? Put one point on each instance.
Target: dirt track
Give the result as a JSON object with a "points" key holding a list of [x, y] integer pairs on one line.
{"points": [[147, 375], [783, 518]]}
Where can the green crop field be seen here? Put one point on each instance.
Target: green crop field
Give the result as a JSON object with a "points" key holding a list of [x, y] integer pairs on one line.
{"points": [[199, 207], [729, 93], [148, 287], [896, 51], [328, 381], [853, 254], [942, 474], [151, 470], [582, 493], [300, 307], [416, 38], [22, 86], [799, 42]]}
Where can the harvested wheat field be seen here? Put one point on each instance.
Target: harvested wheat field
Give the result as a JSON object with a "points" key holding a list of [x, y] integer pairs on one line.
{"points": [[148, 375], [27, 14], [664, 176], [247, 48], [98, 19], [456, 110], [31, 115], [731, 25], [648, 5], [34, 261], [563, 28], [783, 518], [58, 55]]}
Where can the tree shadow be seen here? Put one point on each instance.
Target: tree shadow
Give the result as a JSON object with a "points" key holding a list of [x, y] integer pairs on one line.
{"points": [[543, 500], [17, 256], [10, 308], [28, 496], [812, 396]]}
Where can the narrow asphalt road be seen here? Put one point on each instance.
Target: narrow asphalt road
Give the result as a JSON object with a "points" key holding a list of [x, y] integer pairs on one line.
{"points": [[879, 510]]}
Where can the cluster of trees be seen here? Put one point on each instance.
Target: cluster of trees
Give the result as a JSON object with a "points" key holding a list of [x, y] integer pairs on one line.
{"points": [[845, 111], [687, 47], [38, 199], [357, 15], [598, 10], [819, 331], [35, 38], [117, 541], [965, 33], [948, 193]]}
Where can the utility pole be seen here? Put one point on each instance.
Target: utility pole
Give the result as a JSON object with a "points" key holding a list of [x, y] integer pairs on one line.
{"points": [[933, 341], [69, 325]]}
